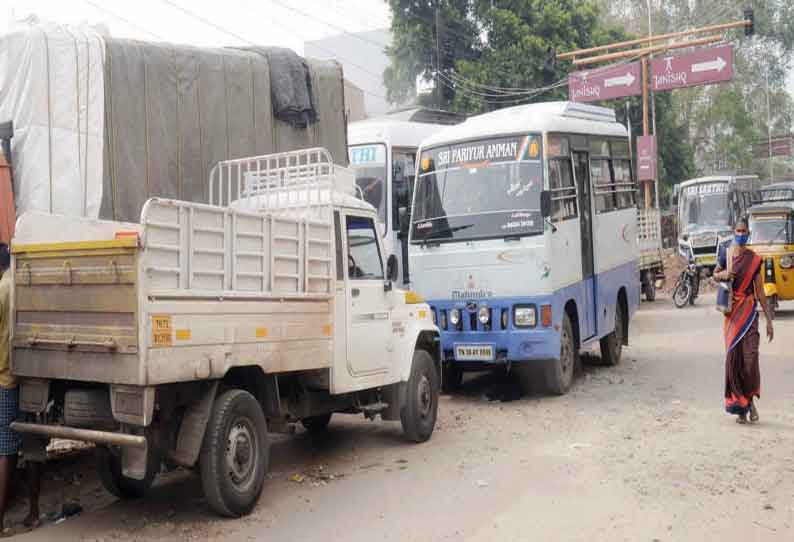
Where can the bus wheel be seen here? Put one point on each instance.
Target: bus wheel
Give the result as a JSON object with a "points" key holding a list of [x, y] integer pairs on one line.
{"points": [[650, 286], [612, 344], [317, 424], [559, 372], [451, 378]]}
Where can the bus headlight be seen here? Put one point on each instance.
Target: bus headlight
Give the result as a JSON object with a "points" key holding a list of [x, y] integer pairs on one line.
{"points": [[786, 261], [524, 316], [454, 317], [484, 315]]}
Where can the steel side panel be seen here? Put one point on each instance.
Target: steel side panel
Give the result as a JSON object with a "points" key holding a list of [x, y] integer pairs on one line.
{"points": [[210, 337]]}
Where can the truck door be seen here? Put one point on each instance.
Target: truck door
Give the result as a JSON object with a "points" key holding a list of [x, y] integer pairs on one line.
{"points": [[582, 173], [369, 316]]}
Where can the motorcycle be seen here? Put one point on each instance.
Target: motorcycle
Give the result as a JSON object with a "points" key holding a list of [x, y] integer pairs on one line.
{"points": [[687, 286]]}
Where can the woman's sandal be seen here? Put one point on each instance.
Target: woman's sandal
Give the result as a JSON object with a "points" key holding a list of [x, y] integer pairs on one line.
{"points": [[741, 419], [753, 414]]}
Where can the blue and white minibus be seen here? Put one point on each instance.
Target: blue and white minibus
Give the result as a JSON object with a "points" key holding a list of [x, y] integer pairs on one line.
{"points": [[523, 240]]}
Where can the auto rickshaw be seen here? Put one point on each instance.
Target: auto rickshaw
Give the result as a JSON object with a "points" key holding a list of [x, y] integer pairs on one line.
{"points": [[771, 223]]}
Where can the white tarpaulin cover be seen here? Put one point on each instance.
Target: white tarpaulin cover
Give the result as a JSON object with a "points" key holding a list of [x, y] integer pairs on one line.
{"points": [[102, 124], [52, 87]]}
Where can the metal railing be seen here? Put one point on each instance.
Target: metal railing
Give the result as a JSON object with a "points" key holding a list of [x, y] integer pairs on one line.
{"points": [[294, 181]]}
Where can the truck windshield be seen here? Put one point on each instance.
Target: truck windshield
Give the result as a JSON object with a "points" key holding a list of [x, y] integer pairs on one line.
{"points": [[369, 164], [479, 189], [705, 205], [769, 230]]}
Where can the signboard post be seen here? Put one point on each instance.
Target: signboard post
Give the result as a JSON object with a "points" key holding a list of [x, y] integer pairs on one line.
{"points": [[700, 67], [605, 83]]}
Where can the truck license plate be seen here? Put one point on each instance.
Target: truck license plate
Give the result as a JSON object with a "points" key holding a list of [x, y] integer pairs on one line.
{"points": [[474, 352]]}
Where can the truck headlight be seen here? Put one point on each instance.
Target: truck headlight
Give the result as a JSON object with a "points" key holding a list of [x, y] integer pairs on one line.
{"points": [[484, 315], [786, 261], [524, 316], [454, 317]]}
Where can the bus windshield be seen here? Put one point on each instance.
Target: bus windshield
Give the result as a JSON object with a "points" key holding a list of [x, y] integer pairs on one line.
{"points": [[705, 205], [479, 189], [369, 164]]}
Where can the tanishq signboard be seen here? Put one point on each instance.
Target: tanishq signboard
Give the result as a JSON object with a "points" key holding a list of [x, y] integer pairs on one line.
{"points": [[606, 83], [700, 67]]}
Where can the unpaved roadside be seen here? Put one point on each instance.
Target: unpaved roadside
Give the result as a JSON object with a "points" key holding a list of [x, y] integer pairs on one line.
{"points": [[638, 452]]}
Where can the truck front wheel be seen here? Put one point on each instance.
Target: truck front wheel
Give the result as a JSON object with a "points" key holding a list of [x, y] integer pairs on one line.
{"points": [[234, 454], [418, 414]]}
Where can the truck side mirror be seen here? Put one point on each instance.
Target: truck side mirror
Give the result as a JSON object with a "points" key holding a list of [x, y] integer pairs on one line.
{"points": [[404, 216], [392, 268], [545, 204]]}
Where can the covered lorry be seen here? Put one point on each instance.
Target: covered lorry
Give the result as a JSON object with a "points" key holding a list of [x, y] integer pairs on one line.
{"points": [[184, 339], [102, 124]]}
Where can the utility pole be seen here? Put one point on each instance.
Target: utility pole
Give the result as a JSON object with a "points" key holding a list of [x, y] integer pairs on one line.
{"points": [[769, 128], [439, 93], [653, 102]]}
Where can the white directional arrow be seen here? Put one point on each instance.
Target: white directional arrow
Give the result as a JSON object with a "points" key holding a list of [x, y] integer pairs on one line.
{"points": [[718, 65], [626, 80]]}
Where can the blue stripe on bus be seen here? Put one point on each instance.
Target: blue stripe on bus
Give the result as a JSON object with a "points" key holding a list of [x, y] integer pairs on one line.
{"points": [[524, 344]]}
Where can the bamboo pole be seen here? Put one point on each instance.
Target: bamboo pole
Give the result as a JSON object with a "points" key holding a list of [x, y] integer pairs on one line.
{"points": [[646, 50], [651, 39]]}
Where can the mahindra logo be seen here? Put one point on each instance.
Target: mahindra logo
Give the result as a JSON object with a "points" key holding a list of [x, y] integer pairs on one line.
{"points": [[471, 306]]}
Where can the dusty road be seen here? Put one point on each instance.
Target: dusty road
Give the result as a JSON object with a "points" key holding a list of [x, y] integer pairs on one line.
{"points": [[641, 452]]}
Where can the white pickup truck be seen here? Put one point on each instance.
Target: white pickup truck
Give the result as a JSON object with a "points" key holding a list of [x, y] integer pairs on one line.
{"points": [[185, 339]]}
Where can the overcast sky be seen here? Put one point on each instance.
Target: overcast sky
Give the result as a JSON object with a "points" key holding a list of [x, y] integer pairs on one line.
{"points": [[231, 22]]}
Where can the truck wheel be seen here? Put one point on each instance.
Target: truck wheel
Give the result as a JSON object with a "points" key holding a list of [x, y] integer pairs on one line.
{"points": [[451, 378], [418, 414], [612, 344], [316, 424], [650, 286], [108, 465], [559, 372], [234, 454]]}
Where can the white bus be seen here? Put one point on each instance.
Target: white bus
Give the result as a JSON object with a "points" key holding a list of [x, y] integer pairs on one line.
{"points": [[382, 153], [708, 207], [524, 240]]}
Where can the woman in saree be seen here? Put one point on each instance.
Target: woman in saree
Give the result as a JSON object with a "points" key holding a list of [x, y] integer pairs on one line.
{"points": [[742, 374]]}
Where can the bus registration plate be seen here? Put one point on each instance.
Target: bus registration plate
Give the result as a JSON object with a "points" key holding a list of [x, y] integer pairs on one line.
{"points": [[474, 352]]}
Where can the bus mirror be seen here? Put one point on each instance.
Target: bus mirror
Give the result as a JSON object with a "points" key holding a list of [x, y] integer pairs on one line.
{"points": [[545, 204], [392, 268], [397, 173], [404, 218]]}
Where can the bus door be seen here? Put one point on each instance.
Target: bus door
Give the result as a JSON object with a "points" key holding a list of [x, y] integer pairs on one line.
{"points": [[582, 173]]}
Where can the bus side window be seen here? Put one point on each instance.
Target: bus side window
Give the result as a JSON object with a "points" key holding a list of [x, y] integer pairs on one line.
{"points": [[601, 174], [563, 189]]}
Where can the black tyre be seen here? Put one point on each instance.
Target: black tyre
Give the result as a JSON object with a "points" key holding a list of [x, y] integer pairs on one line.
{"points": [[559, 373], [650, 286], [317, 424], [108, 465], [612, 344], [451, 378], [234, 454], [418, 414], [682, 293]]}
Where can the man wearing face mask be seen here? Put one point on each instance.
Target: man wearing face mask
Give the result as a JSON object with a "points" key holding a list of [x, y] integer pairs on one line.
{"points": [[742, 373]]}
